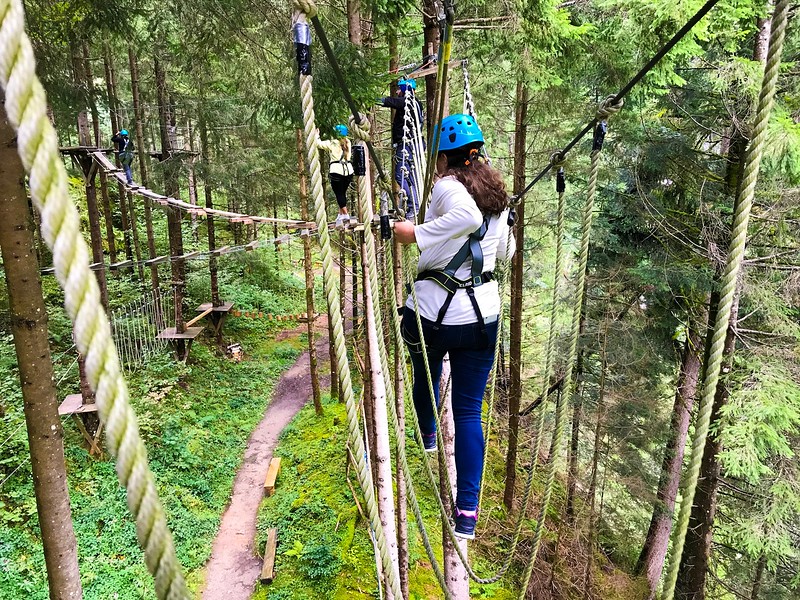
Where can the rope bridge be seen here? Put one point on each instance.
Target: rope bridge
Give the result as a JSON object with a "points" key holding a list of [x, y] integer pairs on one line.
{"points": [[26, 108]]}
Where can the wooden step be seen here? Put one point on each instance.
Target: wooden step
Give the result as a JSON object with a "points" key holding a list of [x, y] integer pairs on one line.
{"points": [[268, 569], [272, 475]]}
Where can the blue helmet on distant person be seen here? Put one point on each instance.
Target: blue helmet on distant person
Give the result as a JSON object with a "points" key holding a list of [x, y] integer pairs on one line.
{"points": [[123, 132], [459, 131], [406, 84], [342, 130]]}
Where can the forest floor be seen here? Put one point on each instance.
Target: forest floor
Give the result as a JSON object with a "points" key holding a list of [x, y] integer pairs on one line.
{"points": [[234, 566]]}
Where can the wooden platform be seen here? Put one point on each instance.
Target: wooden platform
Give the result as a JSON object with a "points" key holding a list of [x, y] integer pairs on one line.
{"points": [[225, 307], [73, 405], [171, 334]]}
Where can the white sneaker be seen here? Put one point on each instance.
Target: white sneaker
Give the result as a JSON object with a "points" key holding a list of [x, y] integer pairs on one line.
{"points": [[342, 220]]}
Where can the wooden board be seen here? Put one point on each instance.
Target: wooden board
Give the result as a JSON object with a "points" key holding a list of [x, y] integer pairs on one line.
{"points": [[224, 307], [198, 317], [272, 475], [104, 162], [268, 569], [432, 70], [73, 405], [170, 334]]}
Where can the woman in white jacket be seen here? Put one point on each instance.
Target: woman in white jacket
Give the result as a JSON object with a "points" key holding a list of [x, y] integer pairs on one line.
{"points": [[340, 171], [466, 230]]}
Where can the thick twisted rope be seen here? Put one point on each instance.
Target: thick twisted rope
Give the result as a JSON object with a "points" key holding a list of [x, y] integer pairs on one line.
{"points": [[331, 289], [25, 106], [608, 106], [744, 203]]}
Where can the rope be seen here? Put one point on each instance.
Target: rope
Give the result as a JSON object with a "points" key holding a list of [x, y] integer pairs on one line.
{"points": [[744, 202], [608, 107], [469, 103], [331, 290], [25, 106]]}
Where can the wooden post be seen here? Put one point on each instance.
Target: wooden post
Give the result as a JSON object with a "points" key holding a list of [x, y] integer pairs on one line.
{"points": [[28, 316], [112, 109], [309, 274]]}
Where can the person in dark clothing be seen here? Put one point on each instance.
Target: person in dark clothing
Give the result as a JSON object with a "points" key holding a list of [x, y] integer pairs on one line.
{"points": [[404, 152], [125, 151]]}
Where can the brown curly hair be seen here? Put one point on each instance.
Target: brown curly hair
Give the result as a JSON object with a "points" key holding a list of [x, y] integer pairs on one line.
{"points": [[484, 183]]}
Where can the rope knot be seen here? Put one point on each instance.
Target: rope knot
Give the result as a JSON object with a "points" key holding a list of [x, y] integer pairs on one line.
{"points": [[608, 108], [306, 6], [361, 129]]}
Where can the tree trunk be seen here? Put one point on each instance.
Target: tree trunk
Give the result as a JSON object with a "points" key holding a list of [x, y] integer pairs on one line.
{"points": [[430, 46], [699, 535], [380, 426], [757, 578], [400, 408], [212, 240], [144, 179], [654, 551], [517, 272], [309, 274], [455, 574], [354, 22], [94, 232], [28, 315], [171, 188], [112, 109]]}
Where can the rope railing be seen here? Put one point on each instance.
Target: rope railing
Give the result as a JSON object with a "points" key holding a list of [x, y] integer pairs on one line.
{"points": [[26, 107], [736, 249]]}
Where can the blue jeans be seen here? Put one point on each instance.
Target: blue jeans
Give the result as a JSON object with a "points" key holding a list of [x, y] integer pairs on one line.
{"points": [[128, 172], [405, 161], [471, 355]]}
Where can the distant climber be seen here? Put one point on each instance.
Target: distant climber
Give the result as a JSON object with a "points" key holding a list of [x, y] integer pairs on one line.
{"points": [[404, 152], [125, 151], [340, 170]]}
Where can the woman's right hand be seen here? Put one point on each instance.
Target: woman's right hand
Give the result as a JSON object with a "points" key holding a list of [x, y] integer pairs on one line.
{"points": [[404, 232]]}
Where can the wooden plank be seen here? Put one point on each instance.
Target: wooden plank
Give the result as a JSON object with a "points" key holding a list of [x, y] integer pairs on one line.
{"points": [[170, 334], [156, 261], [73, 404], [432, 70], [218, 251], [121, 265], [187, 256], [272, 475], [224, 307], [200, 316], [252, 246], [104, 163], [268, 569]]}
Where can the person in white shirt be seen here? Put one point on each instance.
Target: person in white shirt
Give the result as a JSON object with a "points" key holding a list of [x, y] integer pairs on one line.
{"points": [[466, 230], [340, 170]]}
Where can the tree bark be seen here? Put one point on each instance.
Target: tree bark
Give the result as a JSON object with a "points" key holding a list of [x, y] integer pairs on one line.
{"points": [[171, 188], [309, 273], [112, 109], [517, 272], [212, 239], [354, 22], [28, 315], [654, 551], [757, 578], [430, 46]]}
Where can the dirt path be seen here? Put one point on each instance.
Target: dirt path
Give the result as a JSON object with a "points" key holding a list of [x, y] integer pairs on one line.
{"points": [[234, 567]]}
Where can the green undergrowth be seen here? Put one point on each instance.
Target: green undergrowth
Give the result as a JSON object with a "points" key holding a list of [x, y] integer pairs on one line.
{"points": [[324, 547], [195, 420]]}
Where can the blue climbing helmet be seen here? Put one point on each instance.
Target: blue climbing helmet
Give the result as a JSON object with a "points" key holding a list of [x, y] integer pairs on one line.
{"points": [[123, 132], [342, 130], [458, 131], [406, 84]]}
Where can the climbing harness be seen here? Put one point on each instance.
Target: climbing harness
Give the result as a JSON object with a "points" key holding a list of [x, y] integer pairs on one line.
{"points": [[446, 278], [738, 243]]}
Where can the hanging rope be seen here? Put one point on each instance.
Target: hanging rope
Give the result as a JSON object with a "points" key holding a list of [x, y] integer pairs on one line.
{"points": [[744, 202], [331, 289], [26, 106], [469, 103], [607, 108]]}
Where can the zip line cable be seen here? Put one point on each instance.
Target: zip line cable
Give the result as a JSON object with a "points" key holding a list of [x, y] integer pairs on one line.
{"points": [[679, 35]]}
